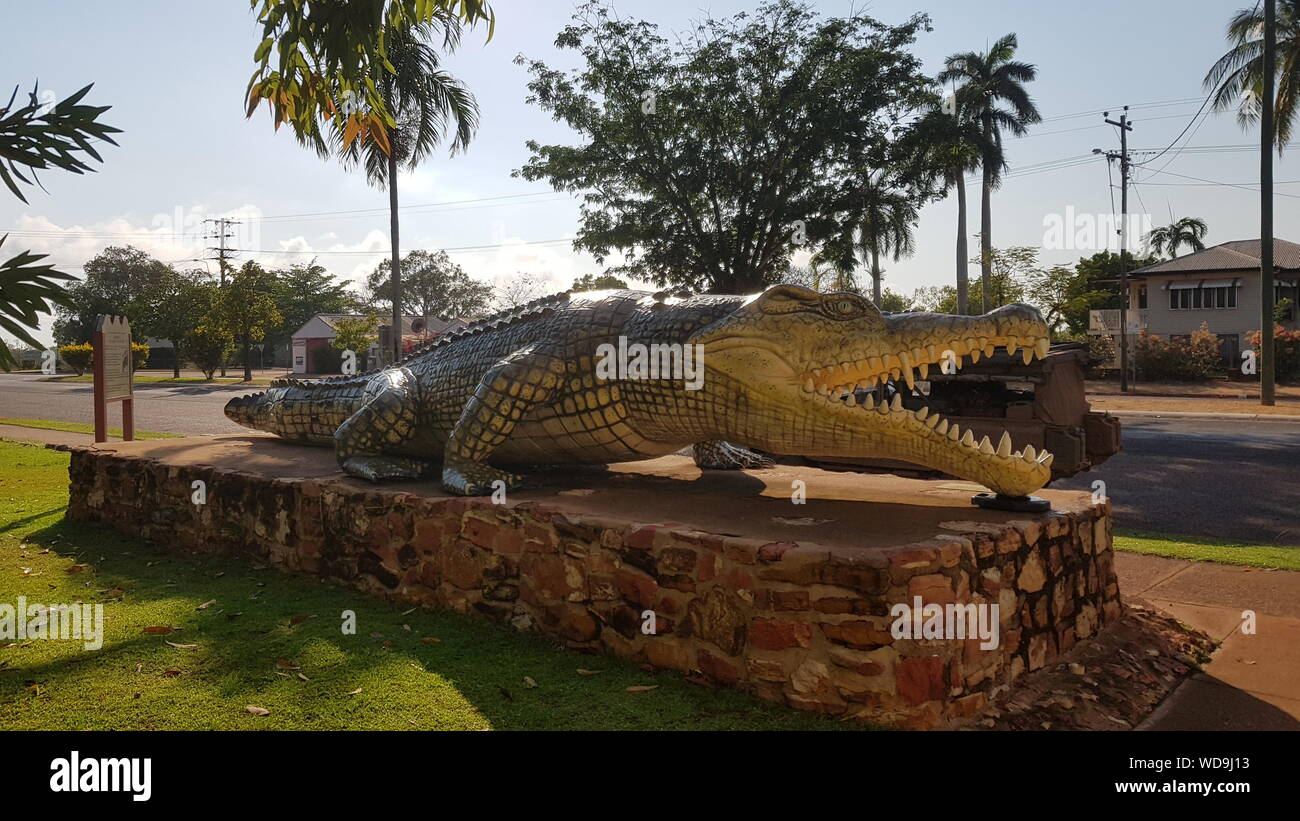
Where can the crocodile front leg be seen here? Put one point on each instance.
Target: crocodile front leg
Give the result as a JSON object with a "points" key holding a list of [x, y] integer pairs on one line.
{"points": [[507, 392], [383, 423], [719, 455]]}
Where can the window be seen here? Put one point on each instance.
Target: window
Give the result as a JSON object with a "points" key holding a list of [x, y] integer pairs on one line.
{"points": [[1142, 297], [1202, 297]]}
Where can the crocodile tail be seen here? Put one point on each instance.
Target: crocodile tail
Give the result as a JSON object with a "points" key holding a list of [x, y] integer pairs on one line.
{"points": [[299, 409]]}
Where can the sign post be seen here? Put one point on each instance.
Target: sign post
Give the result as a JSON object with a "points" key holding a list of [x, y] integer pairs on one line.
{"points": [[113, 372]]}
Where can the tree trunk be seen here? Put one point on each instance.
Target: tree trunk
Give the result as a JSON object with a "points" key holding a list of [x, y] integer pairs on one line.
{"points": [[176, 359], [963, 252], [397, 262], [986, 241], [875, 277], [248, 362]]}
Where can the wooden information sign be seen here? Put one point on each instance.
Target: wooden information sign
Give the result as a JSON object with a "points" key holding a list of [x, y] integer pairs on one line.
{"points": [[113, 371]]}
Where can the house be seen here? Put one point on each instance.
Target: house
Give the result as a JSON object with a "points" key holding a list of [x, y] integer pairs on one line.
{"points": [[313, 353], [1218, 287]]}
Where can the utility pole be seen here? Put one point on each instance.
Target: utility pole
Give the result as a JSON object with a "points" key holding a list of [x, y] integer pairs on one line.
{"points": [[1266, 347], [1124, 128], [221, 233]]}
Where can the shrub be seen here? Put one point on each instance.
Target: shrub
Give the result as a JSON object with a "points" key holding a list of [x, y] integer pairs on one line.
{"points": [[1286, 349], [78, 357], [139, 356], [207, 348], [1179, 360]]}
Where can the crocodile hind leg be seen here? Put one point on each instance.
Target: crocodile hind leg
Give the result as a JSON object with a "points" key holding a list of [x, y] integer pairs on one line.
{"points": [[383, 423], [507, 392], [719, 455]]}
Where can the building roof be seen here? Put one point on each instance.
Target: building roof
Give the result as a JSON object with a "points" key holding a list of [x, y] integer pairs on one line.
{"points": [[1238, 255], [434, 325]]}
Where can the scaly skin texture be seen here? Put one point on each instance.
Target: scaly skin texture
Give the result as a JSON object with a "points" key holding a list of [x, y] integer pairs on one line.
{"points": [[789, 371]]}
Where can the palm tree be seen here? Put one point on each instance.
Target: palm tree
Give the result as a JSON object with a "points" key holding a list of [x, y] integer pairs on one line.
{"points": [[1237, 78], [954, 148], [884, 226], [988, 80], [1189, 231], [424, 101]]}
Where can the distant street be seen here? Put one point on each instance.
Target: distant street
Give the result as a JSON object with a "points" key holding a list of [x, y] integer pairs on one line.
{"points": [[187, 409], [1225, 480]]}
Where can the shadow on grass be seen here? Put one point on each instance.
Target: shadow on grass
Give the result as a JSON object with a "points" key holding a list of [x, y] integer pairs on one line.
{"points": [[275, 641]]}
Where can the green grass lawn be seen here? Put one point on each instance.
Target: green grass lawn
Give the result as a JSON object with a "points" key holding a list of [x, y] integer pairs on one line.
{"points": [[1208, 550], [273, 641], [80, 427]]}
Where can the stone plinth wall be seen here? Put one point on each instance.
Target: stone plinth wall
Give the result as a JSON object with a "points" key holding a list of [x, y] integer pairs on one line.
{"points": [[801, 623]]}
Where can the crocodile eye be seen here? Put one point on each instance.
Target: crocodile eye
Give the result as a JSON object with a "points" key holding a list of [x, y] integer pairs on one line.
{"points": [[843, 307]]}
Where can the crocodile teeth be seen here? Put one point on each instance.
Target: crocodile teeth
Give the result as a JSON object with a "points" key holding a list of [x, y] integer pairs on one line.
{"points": [[968, 439], [897, 404], [893, 363], [933, 354], [1027, 354], [851, 400], [1004, 445], [906, 359], [1013, 344], [909, 377], [942, 428], [1046, 459], [974, 355], [925, 370], [875, 364], [922, 413], [954, 433], [972, 344], [1030, 454], [868, 402], [824, 390], [988, 349], [1044, 345], [986, 447], [808, 386], [932, 421]]}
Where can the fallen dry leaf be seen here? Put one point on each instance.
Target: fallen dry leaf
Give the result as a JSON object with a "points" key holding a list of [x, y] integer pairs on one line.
{"points": [[257, 711], [206, 605], [355, 692], [300, 619], [528, 682], [158, 629], [642, 688], [583, 672], [76, 568], [304, 678], [181, 646], [285, 664], [430, 640]]}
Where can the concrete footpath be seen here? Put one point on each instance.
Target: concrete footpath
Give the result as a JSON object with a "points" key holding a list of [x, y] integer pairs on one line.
{"points": [[1251, 683]]}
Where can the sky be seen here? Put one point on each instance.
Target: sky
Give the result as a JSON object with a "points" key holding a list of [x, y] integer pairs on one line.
{"points": [[175, 71]]}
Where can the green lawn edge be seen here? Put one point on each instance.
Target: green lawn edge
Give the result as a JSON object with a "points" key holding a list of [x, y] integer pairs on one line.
{"points": [[80, 427], [1208, 550]]}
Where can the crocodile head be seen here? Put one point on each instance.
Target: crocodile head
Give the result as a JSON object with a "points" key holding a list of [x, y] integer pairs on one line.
{"points": [[825, 375]]}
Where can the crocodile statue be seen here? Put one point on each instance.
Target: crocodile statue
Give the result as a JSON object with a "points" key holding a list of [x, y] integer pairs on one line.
{"points": [[789, 371]]}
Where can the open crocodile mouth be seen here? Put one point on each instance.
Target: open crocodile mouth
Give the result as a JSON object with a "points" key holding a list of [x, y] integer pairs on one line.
{"points": [[879, 384]]}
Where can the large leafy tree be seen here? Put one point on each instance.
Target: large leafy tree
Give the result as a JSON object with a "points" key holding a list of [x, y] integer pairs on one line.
{"points": [[302, 291], [35, 137], [245, 310], [320, 62], [709, 159], [426, 104], [1189, 231], [601, 282], [993, 91], [1096, 285], [173, 306], [121, 279], [1237, 78], [432, 285]]}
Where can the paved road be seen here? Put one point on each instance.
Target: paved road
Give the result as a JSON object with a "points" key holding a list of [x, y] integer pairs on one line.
{"points": [[189, 409], [1228, 480], [1224, 480]]}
